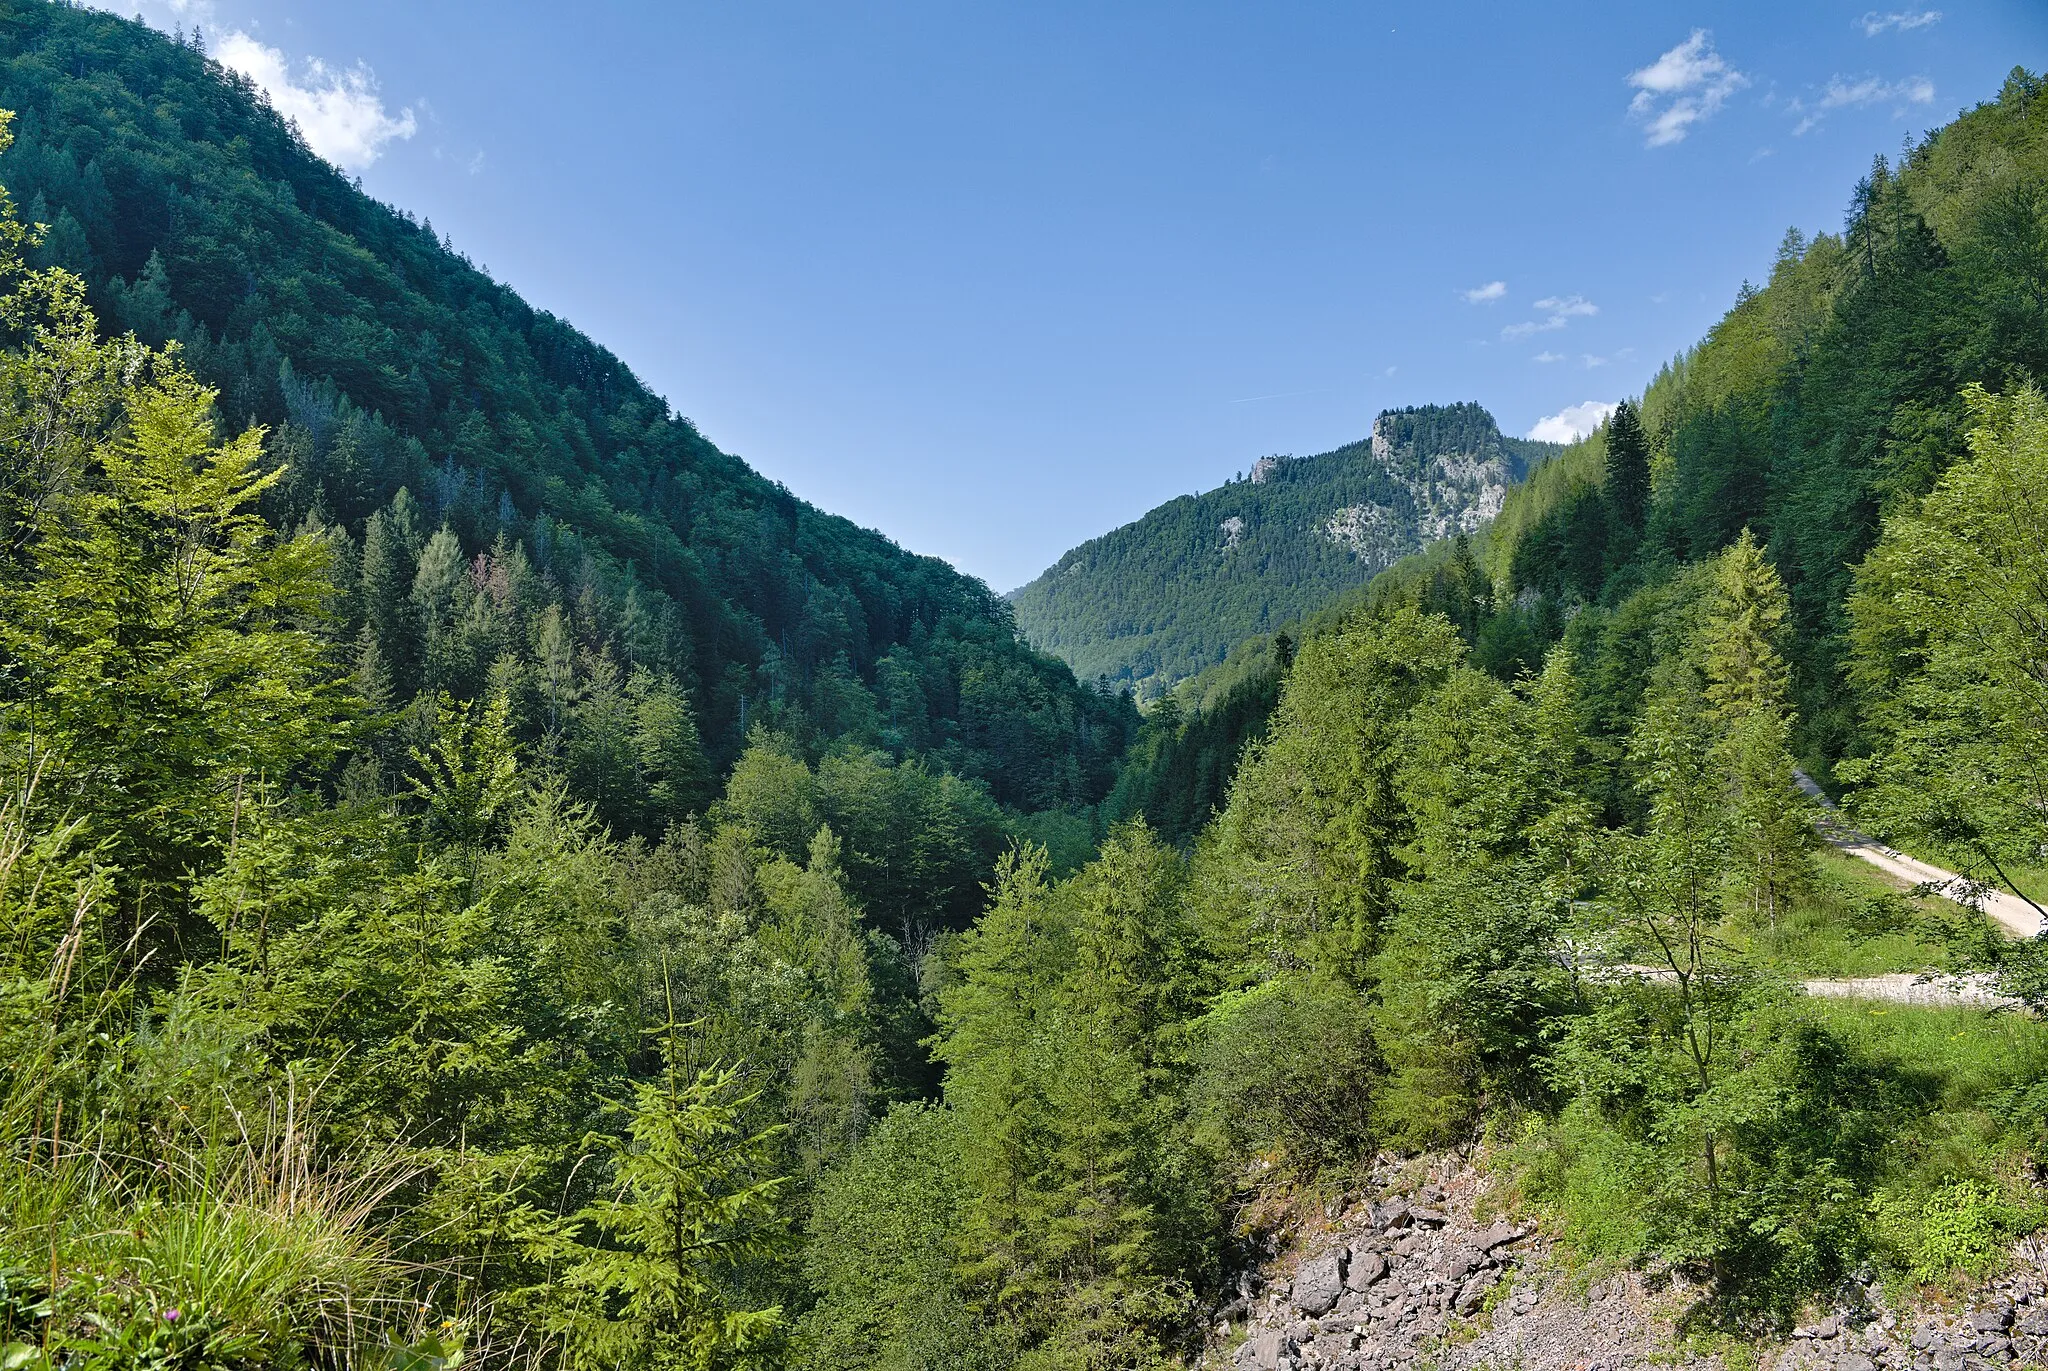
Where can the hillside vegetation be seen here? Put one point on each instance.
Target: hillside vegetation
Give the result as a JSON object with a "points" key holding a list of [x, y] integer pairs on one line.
{"points": [[1827, 398], [357, 1012], [507, 506], [1165, 597]]}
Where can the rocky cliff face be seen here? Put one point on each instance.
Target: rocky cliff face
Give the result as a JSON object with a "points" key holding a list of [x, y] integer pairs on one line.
{"points": [[1454, 489]]}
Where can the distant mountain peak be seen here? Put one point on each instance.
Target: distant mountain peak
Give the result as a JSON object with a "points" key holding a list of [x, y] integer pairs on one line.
{"points": [[1161, 598]]}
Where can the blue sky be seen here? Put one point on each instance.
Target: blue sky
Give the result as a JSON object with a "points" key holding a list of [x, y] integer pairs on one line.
{"points": [[996, 278]]}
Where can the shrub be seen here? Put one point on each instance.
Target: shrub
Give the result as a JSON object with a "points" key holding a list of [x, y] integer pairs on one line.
{"points": [[1287, 1065]]}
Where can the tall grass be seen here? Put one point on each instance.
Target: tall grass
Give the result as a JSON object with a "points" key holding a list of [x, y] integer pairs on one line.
{"points": [[140, 1230]]}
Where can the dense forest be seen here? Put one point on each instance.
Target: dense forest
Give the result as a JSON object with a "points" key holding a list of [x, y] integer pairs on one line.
{"points": [[405, 962], [509, 507], [1169, 595]]}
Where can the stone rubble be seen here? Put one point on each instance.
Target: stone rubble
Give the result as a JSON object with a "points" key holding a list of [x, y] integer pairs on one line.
{"points": [[2005, 1324], [1415, 1279]]}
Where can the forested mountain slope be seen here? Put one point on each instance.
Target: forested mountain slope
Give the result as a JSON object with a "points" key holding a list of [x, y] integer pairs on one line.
{"points": [[508, 503], [1826, 397], [348, 1021], [1167, 596]]}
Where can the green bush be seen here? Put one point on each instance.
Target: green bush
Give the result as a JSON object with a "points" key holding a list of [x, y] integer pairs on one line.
{"points": [[1288, 1065], [1960, 1229]]}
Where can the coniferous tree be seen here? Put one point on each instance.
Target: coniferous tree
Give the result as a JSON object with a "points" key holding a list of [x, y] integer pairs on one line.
{"points": [[1628, 468], [1745, 627], [390, 618], [693, 1199], [1748, 689]]}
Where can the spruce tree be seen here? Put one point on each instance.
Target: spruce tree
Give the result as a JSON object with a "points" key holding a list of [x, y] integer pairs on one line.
{"points": [[1744, 626], [1628, 468], [390, 564], [1748, 690]]}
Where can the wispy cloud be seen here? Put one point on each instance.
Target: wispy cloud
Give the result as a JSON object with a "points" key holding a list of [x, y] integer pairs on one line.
{"points": [[1686, 85], [1573, 422], [1568, 306], [1905, 21], [1548, 357], [1841, 93], [1486, 294], [1591, 361], [1559, 310], [338, 111]]}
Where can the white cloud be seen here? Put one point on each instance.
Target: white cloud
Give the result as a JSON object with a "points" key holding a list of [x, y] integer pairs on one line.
{"points": [[1684, 86], [1486, 294], [1548, 357], [1844, 94], [1591, 361], [339, 111], [1573, 422], [1559, 311], [1905, 21], [1568, 306]]}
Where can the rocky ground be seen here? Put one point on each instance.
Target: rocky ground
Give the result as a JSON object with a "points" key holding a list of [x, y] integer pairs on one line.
{"points": [[1415, 1278]]}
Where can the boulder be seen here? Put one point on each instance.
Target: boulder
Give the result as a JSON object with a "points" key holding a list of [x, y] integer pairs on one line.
{"points": [[1496, 1235], [1366, 1267], [1265, 1351], [1458, 1263], [1318, 1284], [1993, 1320]]}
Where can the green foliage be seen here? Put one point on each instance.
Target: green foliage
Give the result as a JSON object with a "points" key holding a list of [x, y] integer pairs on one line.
{"points": [[1086, 1209], [1168, 596], [1949, 650], [692, 1199], [1961, 1229], [512, 501], [1628, 468], [1307, 855], [1290, 1066], [386, 979], [1752, 1177], [880, 1256], [149, 620], [1178, 772]]}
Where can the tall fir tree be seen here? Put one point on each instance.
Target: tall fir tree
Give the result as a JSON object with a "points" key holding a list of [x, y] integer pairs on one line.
{"points": [[1628, 467]]}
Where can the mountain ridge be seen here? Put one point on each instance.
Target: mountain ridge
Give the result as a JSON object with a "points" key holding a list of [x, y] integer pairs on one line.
{"points": [[1168, 594], [382, 361]]}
